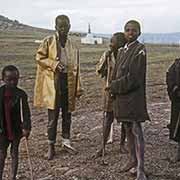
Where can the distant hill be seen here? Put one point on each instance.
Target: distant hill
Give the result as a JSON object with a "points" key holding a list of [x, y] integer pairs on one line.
{"points": [[8, 24], [161, 38], [156, 38], [15, 25]]}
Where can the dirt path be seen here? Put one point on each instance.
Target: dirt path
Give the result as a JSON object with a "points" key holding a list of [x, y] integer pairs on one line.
{"points": [[86, 131]]}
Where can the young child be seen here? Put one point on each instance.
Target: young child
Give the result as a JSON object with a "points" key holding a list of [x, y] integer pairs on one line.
{"points": [[12, 127], [105, 69]]}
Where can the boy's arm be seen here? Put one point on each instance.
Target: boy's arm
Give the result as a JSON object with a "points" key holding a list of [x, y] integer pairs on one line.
{"points": [[79, 88], [135, 77], [1, 131], [101, 67], [42, 57], [171, 81], [26, 124]]}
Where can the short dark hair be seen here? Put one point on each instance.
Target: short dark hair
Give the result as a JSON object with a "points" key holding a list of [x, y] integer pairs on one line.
{"points": [[136, 23], [9, 68], [120, 39], [62, 17]]}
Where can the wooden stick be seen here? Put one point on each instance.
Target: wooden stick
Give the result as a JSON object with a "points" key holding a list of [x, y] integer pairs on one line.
{"points": [[77, 74], [108, 71], [29, 159], [26, 143], [103, 141]]}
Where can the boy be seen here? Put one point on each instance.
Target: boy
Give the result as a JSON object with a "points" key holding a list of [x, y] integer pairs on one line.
{"points": [[12, 127], [58, 82], [105, 69], [128, 87], [173, 87]]}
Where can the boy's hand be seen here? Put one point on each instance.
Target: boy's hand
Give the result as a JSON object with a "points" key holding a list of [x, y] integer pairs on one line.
{"points": [[60, 67], [107, 88], [79, 93], [26, 133], [108, 53]]}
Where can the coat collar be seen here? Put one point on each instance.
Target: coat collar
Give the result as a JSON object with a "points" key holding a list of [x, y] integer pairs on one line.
{"points": [[130, 45]]}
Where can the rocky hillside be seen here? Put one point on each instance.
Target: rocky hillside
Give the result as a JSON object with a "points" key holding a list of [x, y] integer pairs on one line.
{"points": [[15, 25], [8, 24]]}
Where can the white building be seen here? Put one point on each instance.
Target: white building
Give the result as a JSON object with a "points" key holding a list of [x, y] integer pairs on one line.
{"points": [[91, 39]]}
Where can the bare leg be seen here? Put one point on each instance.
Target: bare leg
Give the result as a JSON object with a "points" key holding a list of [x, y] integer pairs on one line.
{"points": [[4, 143], [3, 154], [14, 156], [110, 138], [139, 146], [178, 153], [123, 150], [106, 130], [132, 162]]}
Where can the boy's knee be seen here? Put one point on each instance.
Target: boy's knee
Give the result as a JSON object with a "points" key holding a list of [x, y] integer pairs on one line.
{"points": [[137, 129], [127, 126], [14, 154], [3, 154]]}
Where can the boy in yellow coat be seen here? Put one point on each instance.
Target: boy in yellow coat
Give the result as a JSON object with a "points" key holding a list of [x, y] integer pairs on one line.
{"points": [[58, 81]]}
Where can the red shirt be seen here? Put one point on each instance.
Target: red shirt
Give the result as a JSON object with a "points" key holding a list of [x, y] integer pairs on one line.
{"points": [[8, 108]]}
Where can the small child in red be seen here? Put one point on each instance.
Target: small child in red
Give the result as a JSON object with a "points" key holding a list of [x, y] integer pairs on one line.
{"points": [[12, 127]]}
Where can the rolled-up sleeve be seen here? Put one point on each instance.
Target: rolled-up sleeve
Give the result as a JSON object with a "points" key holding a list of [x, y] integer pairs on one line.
{"points": [[42, 57]]}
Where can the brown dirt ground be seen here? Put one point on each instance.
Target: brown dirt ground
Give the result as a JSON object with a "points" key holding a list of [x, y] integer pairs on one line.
{"points": [[87, 122]]}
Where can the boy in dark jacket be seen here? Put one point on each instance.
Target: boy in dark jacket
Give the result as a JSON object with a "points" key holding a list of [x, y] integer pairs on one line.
{"points": [[173, 87], [15, 119], [128, 87]]}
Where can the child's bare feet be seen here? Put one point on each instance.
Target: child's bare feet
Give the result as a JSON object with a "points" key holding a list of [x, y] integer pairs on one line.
{"points": [[128, 166]]}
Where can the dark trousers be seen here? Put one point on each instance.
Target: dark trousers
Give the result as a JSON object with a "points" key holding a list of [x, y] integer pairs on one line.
{"points": [[4, 144], [53, 115], [173, 127], [109, 118]]}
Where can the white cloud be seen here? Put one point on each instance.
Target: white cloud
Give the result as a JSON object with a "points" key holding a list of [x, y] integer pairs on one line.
{"points": [[105, 16]]}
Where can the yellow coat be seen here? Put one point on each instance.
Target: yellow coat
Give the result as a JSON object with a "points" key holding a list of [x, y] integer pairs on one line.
{"points": [[44, 92]]}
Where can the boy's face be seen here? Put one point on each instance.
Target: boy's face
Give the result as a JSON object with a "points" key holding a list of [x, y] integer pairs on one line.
{"points": [[11, 78], [131, 32], [113, 44], [63, 27]]}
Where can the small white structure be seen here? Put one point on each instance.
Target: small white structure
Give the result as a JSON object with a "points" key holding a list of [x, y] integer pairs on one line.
{"points": [[38, 41], [91, 39]]}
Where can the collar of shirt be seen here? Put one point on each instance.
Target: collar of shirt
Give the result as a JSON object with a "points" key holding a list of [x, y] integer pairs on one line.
{"points": [[128, 45]]}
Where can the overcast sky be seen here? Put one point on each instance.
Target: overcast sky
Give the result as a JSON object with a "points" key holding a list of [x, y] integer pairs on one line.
{"points": [[105, 16]]}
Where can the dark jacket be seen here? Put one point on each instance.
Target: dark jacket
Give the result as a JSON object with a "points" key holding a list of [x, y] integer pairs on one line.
{"points": [[129, 83], [173, 88], [17, 123]]}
